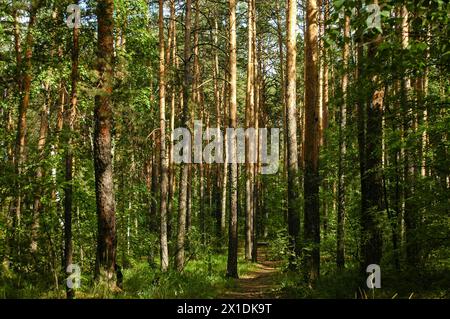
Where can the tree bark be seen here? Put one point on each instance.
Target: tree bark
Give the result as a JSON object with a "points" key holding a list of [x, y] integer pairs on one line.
{"points": [[164, 251], [154, 186], [223, 200], [291, 122], [250, 144], [17, 50], [410, 209], [25, 77], [232, 269], [282, 84], [256, 168], [174, 61], [217, 103], [325, 78], [182, 209], [324, 99], [68, 189], [104, 184], [340, 236], [37, 206], [199, 109], [312, 141]]}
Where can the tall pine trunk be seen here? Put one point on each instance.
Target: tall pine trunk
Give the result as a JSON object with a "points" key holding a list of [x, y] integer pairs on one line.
{"points": [[68, 189], [291, 122], [312, 141], [183, 198], [324, 99], [173, 89], [104, 184], [217, 102], [250, 141], [38, 206], [164, 251], [232, 270], [340, 235], [24, 76]]}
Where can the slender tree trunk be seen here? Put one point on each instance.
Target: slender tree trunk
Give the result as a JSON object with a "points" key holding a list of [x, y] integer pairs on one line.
{"points": [[312, 141], [217, 103], [282, 83], [164, 161], [9, 127], [198, 107], [324, 108], [291, 121], [410, 209], [17, 50], [325, 79], [37, 206], [361, 109], [11, 222], [152, 224], [154, 186], [68, 189], [340, 252], [182, 209], [262, 210], [250, 142], [257, 148], [223, 200], [232, 269], [425, 84], [25, 90], [104, 184], [174, 61], [189, 196]]}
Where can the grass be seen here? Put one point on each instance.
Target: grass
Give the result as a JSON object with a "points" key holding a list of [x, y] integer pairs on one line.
{"points": [[432, 284], [201, 279], [205, 278]]}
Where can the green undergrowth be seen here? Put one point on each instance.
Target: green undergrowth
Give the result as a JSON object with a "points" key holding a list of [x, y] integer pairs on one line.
{"points": [[431, 284], [202, 278]]}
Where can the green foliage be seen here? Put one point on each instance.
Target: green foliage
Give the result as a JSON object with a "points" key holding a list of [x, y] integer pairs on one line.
{"points": [[409, 119], [195, 282]]}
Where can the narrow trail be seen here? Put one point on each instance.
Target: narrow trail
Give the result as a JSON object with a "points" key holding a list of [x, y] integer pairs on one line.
{"points": [[257, 284]]}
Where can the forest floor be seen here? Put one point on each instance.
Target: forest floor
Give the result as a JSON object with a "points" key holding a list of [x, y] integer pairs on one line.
{"points": [[261, 282]]}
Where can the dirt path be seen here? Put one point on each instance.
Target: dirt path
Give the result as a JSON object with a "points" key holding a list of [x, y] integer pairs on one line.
{"points": [[257, 284]]}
